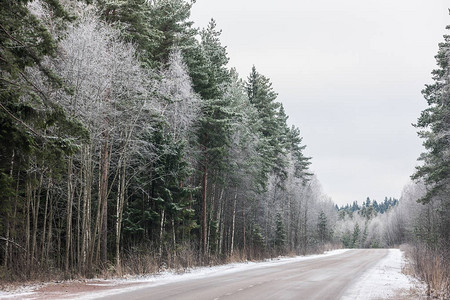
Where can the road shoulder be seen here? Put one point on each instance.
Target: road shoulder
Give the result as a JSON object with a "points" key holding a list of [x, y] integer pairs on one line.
{"points": [[385, 280]]}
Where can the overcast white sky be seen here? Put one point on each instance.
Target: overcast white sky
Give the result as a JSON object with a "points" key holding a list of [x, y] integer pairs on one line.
{"points": [[349, 74]]}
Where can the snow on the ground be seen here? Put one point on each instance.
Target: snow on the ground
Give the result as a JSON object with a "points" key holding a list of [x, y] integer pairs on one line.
{"points": [[383, 281], [18, 293]]}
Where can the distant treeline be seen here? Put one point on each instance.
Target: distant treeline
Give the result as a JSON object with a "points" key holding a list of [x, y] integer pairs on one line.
{"points": [[381, 207]]}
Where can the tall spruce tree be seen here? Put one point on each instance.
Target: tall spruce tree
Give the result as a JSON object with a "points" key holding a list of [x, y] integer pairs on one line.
{"points": [[156, 27], [272, 124], [214, 131], [434, 129]]}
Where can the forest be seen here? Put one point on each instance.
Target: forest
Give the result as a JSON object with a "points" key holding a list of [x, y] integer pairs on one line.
{"points": [[128, 146]]}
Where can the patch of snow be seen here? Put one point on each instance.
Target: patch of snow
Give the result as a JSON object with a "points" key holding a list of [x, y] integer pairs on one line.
{"points": [[102, 284], [18, 293], [383, 281]]}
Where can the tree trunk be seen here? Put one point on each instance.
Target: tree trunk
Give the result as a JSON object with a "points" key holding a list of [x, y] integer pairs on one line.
{"points": [[204, 223], [27, 221], [161, 232], [220, 222], [119, 213], [50, 229], [305, 230], [86, 248], [244, 228], [69, 214], [118, 221], [58, 235], [14, 217], [95, 243], [5, 261], [233, 224], [35, 208], [174, 238], [104, 200], [44, 227], [77, 255]]}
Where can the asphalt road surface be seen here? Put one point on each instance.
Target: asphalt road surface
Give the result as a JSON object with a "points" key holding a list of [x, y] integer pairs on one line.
{"points": [[320, 278]]}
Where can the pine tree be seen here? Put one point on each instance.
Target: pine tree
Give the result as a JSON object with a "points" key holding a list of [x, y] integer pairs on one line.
{"points": [[262, 96], [301, 162], [280, 233], [171, 19], [156, 27], [434, 129], [25, 109], [214, 129], [355, 236], [322, 227]]}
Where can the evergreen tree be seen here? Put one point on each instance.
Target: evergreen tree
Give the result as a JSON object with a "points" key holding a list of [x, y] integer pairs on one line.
{"points": [[35, 132], [26, 112], [347, 239], [156, 27], [280, 233], [171, 19], [375, 206], [322, 227], [262, 96], [214, 129], [301, 162], [355, 236], [434, 129]]}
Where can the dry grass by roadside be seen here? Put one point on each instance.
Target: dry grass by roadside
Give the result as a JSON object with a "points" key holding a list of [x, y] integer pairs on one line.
{"points": [[412, 294], [430, 267]]}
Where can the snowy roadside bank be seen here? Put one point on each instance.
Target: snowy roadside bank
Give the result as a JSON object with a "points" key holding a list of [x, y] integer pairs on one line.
{"points": [[385, 280], [91, 289]]}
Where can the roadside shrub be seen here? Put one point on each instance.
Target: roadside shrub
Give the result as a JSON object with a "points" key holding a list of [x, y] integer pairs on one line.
{"points": [[432, 267]]}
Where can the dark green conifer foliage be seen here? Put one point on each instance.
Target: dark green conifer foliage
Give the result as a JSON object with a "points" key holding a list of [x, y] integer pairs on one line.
{"points": [[257, 237], [434, 125], [301, 162], [171, 18], [262, 96], [36, 136], [280, 233], [134, 18], [28, 119], [215, 123], [434, 129], [356, 236], [322, 227], [156, 27]]}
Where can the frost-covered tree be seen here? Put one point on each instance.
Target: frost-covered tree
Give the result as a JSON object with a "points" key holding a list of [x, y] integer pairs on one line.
{"points": [[109, 95], [180, 105]]}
